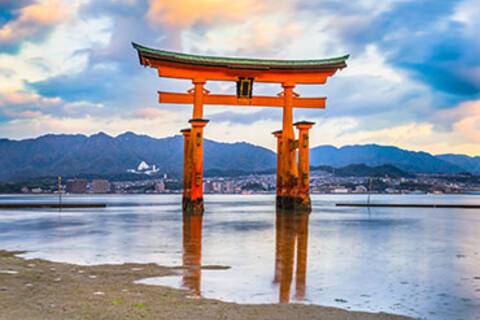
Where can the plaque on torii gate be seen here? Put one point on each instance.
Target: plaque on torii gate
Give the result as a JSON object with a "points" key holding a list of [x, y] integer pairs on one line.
{"points": [[292, 189]]}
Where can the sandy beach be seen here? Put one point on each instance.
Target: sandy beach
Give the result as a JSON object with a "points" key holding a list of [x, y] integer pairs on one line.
{"points": [[39, 289]]}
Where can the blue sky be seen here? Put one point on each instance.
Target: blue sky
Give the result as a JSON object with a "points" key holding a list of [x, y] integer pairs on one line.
{"points": [[413, 78]]}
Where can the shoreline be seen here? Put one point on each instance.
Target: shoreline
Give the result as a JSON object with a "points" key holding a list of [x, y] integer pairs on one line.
{"points": [[41, 205], [408, 205], [40, 289]]}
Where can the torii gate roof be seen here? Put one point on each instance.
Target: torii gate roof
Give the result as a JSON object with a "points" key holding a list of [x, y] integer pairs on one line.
{"points": [[239, 63]]}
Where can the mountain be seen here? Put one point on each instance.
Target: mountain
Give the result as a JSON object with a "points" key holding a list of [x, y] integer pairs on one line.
{"points": [[362, 170], [101, 154], [376, 155], [469, 164]]}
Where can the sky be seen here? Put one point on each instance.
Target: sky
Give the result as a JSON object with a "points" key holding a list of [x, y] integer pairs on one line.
{"points": [[413, 77]]}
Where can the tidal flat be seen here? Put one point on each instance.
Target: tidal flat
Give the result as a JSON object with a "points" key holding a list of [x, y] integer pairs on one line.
{"points": [[40, 289]]}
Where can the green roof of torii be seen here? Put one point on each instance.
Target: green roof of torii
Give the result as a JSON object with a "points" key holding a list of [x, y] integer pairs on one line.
{"points": [[243, 63]]}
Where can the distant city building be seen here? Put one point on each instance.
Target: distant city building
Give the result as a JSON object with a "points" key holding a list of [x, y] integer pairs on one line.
{"points": [[229, 187], [360, 189], [160, 187], [217, 186], [390, 190], [144, 168], [100, 186], [208, 187], [254, 184], [340, 190], [77, 186]]}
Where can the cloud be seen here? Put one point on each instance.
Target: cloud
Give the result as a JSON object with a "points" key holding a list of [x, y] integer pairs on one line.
{"points": [[32, 20], [256, 36], [245, 115], [28, 114], [148, 113], [9, 7], [62, 52], [21, 128], [17, 104], [73, 87], [463, 135], [434, 42], [23, 104], [186, 13], [7, 72], [13, 98], [427, 39], [465, 120]]}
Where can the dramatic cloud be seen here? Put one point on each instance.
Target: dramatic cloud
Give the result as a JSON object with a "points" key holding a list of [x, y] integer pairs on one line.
{"points": [[32, 20], [430, 39], [149, 113], [9, 98], [24, 127], [466, 120], [413, 78], [186, 13]]}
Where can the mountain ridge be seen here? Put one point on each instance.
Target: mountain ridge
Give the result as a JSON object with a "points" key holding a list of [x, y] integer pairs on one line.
{"points": [[377, 155], [100, 153]]}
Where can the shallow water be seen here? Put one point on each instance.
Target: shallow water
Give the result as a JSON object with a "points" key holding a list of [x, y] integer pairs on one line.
{"points": [[419, 262]]}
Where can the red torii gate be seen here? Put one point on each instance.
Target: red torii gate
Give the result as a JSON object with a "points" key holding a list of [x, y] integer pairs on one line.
{"points": [[292, 177]]}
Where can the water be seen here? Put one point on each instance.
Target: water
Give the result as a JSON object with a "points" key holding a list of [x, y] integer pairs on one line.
{"points": [[419, 262]]}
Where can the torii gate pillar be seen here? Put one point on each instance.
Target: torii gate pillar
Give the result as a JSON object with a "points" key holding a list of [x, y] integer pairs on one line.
{"points": [[194, 202], [303, 198], [288, 157]]}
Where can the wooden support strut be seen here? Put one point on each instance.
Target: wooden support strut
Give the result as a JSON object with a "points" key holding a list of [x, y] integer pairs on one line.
{"points": [[278, 135], [197, 98], [187, 165], [256, 101]]}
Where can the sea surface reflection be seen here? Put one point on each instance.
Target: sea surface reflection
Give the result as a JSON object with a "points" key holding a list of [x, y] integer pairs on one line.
{"points": [[419, 262]]}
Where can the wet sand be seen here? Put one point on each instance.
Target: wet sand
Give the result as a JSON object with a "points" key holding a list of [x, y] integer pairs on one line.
{"points": [[39, 289]]}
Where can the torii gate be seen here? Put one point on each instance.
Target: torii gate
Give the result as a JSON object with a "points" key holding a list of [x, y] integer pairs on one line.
{"points": [[292, 177]]}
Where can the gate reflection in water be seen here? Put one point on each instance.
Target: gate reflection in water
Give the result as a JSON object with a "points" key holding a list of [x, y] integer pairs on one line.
{"points": [[291, 247], [192, 252]]}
